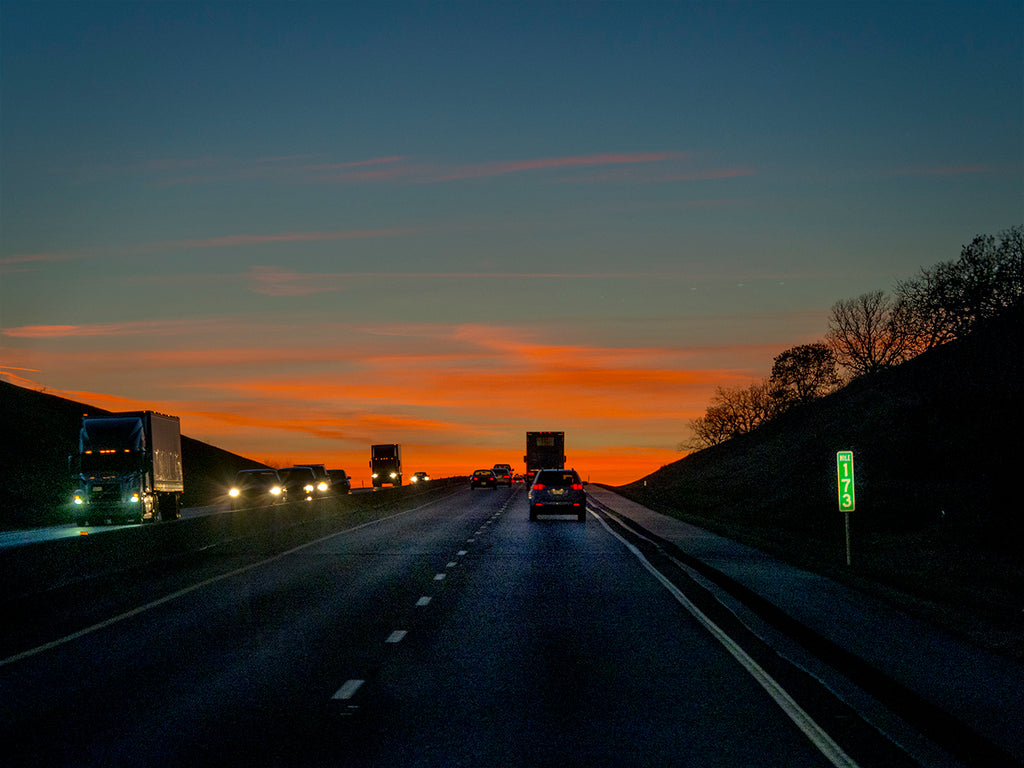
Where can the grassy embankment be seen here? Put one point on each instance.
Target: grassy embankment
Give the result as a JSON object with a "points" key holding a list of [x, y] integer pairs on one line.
{"points": [[938, 527]]}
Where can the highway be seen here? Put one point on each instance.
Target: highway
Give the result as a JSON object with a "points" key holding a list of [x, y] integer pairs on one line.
{"points": [[456, 633]]}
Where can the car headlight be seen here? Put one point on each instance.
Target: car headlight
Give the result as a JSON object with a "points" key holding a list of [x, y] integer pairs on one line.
{"points": [[322, 487], [275, 491], [135, 498], [234, 492], [78, 499]]}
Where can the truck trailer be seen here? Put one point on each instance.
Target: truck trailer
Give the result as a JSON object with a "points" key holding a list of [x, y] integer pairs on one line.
{"points": [[386, 465], [128, 468], [544, 450]]}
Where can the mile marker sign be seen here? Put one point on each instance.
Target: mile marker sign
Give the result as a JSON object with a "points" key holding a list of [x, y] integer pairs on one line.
{"points": [[844, 470]]}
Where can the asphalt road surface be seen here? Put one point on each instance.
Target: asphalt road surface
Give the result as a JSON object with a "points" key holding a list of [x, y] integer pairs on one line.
{"points": [[454, 634]]}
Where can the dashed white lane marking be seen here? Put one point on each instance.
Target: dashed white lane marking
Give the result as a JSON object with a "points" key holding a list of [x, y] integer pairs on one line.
{"points": [[440, 577], [451, 564], [348, 690], [199, 585], [396, 636], [463, 552], [423, 601]]}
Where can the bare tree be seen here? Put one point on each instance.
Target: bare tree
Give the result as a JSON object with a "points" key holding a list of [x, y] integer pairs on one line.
{"points": [[867, 334], [803, 373], [732, 412]]}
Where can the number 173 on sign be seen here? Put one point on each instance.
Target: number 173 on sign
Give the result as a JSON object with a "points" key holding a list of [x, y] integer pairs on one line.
{"points": [[844, 472]]}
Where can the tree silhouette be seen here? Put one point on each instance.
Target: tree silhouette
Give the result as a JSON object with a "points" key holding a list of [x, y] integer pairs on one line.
{"points": [[868, 334], [803, 373]]}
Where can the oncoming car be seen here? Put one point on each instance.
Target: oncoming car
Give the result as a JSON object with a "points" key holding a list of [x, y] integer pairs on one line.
{"points": [[340, 481], [483, 478], [419, 477], [257, 487], [323, 479], [299, 482], [558, 492]]}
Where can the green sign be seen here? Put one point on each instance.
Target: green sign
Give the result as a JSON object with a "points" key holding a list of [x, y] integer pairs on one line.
{"points": [[844, 471]]}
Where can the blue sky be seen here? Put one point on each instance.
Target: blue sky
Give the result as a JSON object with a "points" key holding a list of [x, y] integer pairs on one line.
{"points": [[306, 227]]}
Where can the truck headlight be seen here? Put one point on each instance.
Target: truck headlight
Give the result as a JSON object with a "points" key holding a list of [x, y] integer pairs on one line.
{"points": [[275, 491], [78, 499], [307, 488], [394, 475], [322, 487]]}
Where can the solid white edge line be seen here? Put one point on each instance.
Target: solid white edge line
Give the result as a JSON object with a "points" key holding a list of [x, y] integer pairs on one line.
{"points": [[818, 736], [199, 585]]}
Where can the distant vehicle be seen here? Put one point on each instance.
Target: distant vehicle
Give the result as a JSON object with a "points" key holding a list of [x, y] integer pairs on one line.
{"points": [[419, 477], [323, 479], [544, 450], [128, 468], [518, 480], [340, 481], [386, 465], [257, 488], [483, 478], [299, 482], [502, 476], [558, 492]]}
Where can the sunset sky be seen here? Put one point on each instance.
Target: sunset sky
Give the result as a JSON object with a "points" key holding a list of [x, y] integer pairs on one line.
{"points": [[306, 227]]}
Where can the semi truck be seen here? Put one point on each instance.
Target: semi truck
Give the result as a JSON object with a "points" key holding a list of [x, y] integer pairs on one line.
{"points": [[544, 450], [386, 465], [128, 468]]}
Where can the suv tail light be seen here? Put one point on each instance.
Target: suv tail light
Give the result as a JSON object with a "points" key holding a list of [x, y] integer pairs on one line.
{"points": [[577, 486], [538, 487]]}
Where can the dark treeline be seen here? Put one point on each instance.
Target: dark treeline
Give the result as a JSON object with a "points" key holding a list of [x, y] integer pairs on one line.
{"points": [[877, 331]]}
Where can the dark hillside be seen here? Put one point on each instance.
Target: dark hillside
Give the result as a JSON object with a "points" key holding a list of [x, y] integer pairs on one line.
{"points": [[38, 432], [936, 455]]}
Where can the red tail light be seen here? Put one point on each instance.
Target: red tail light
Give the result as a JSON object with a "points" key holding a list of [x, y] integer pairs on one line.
{"points": [[538, 487], [577, 486]]}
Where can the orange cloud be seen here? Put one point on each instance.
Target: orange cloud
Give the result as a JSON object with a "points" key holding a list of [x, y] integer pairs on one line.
{"points": [[473, 397], [503, 167]]}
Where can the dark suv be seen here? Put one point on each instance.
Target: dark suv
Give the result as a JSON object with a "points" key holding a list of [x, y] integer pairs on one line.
{"points": [[558, 492], [340, 481]]}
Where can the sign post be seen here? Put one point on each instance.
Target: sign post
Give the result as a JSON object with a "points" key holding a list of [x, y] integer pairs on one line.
{"points": [[847, 498]]}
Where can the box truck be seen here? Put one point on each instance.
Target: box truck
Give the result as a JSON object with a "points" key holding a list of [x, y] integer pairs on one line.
{"points": [[544, 450]]}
